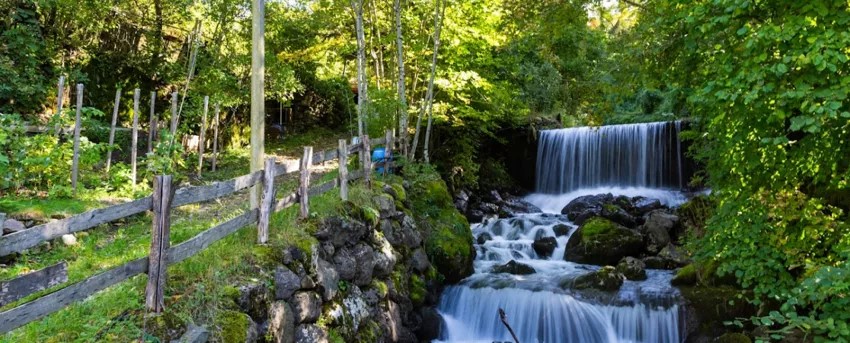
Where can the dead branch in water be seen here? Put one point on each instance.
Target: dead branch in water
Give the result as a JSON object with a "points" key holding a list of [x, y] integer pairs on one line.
{"points": [[505, 321]]}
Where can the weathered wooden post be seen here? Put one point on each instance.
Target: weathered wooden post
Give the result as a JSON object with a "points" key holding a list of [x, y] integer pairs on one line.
{"points": [[112, 129], [173, 116], [201, 136], [215, 138], [388, 152], [343, 169], [75, 163], [152, 125], [267, 201], [367, 160], [60, 98], [134, 138], [161, 228], [304, 189]]}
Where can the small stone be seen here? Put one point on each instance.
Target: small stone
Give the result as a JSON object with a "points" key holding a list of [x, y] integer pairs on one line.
{"points": [[69, 240], [484, 237], [281, 323], [306, 307], [632, 268], [561, 229], [285, 283], [307, 282], [11, 226], [419, 260]]}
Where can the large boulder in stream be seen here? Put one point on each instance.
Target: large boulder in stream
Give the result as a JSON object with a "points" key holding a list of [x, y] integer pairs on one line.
{"points": [[545, 246], [607, 206], [602, 242], [605, 279], [514, 267]]}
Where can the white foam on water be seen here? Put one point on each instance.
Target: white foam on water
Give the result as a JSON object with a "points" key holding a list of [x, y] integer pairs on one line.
{"points": [[553, 203]]}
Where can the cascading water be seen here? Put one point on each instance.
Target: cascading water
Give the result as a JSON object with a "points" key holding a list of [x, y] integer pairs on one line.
{"points": [[640, 159], [633, 155]]}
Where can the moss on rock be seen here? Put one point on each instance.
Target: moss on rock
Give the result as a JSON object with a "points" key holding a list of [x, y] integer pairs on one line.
{"points": [[602, 242], [733, 337], [685, 276], [417, 290], [234, 326]]}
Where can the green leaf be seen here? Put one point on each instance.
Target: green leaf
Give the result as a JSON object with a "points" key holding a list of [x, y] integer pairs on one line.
{"points": [[781, 69], [742, 31]]}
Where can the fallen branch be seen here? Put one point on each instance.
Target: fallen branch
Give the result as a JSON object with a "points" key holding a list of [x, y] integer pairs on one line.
{"points": [[505, 321]]}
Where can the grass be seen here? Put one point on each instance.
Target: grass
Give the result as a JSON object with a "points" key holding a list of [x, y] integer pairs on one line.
{"points": [[197, 289]]}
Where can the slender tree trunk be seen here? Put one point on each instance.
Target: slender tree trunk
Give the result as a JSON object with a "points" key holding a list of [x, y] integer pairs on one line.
{"points": [[372, 51], [402, 98], [429, 94], [362, 93], [156, 54]]}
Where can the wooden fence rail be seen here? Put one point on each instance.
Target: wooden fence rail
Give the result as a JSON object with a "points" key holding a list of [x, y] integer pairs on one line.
{"points": [[162, 201]]}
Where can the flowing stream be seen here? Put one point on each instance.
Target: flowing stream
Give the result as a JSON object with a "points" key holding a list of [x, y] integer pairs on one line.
{"points": [[543, 307]]}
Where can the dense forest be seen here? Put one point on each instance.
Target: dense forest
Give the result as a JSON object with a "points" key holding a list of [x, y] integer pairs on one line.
{"points": [[763, 86]]}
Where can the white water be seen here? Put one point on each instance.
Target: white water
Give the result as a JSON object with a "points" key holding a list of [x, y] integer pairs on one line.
{"points": [[632, 155], [631, 160]]}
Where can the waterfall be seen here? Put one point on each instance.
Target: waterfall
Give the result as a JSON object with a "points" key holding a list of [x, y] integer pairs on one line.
{"points": [[631, 155]]}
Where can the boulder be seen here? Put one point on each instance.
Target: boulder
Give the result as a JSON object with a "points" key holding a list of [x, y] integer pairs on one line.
{"points": [[340, 232], [668, 258], [483, 238], [643, 205], [605, 279], [515, 206], [391, 321], [661, 220], [236, 327], [285, 283], [432, 323], [419, 261], [194, 334], [327, 278], [11, 226], [585, 207], [561, 230], [656, 237], [345, 264], [310, 333], [306, 307], [386, 205], [514, 267], [254, 300], [545, 246], [365, 257], [602, 242], [632, 268], [618, 215], [281, 323], [461, 201]]}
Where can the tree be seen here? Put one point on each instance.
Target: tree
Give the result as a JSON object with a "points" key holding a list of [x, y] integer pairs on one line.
{"points": [[428, 100], [402, 97], [362, 81]]}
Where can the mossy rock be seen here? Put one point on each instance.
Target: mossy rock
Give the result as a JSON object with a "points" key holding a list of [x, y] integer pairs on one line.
{"points": [[235, 327], [400, 193], [602, 242], [733, 337], [685, 276], [703, 274], [449, 245], [380, 287], [417, 290], [166, 326]]}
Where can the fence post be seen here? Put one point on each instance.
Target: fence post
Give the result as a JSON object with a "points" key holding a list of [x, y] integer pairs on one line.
{"points": [[304, 189], [201, 136], [367, 160], [343, 169], [152, 125], [215, 138], [388, 151], [75, 163], [267, 201], [134, 140], [161, 227], [60, 97], [112, 128], [173, 115]]}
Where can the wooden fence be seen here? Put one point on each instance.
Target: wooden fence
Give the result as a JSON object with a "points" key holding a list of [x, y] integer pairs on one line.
{"points": [[161, 202]]}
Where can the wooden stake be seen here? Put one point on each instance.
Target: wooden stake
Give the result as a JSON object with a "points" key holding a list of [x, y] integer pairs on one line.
{"points": [[201, 136], [152, 126], [60, 98], [304, 190], [112, 129], [267, 201], [134, 140], [75, 164], [388, 152], [343, 169], [160, 242], [215, 138], [367, 160], [173, 115], [258, 114]]}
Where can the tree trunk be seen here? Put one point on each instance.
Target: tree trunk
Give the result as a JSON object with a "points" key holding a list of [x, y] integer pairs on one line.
{"points": [[429, 94], [362, 94], [402, 98]]}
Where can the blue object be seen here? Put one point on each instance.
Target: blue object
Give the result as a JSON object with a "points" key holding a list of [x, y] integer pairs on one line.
{"points": [[378, 157]]}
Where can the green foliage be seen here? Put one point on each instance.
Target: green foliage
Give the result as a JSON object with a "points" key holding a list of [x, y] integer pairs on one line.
{"points": [[24, 62], [167, 157]]}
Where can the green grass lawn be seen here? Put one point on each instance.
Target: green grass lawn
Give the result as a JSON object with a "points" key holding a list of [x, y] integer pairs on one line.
{"points": [[197, 288]]}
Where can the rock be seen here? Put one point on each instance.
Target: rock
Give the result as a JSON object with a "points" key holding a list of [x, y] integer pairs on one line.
{"points": [[281, 323], [671, 253], [685, 276], [484, 237], [545, 246], [365, 257], [285, 283], [561, 230], [391, 322], [339, 231], [656, 237], [602, 242], [734, 337], [11, 226], [307, 282], [643, 205], [344, 264], [419, 261], [386, 205], [327, 278], [495, 197], [194, 334], [351, 312], [431, 325], [236, 327], [632, 268], [514, 267], [253, 299], [605, 279], [515, 206], [404, 234], [385, 256], [659, 221], [309, 333], [618, 215], [585, 207], [462, 201], [306, 307], [69, 240]]}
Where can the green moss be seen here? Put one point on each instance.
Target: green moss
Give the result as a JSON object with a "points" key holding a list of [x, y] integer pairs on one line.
{"points": [[370, 215], [610, 207], [401, 194], [166, 326], [334, 336], [380, 287], [733, 337], [417, 290], [686, 275], [233, 326], [369, 332], [598, 226]]}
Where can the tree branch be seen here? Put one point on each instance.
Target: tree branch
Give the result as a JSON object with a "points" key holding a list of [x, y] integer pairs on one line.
{"points": [[505, 321]]}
